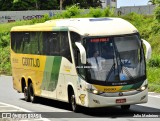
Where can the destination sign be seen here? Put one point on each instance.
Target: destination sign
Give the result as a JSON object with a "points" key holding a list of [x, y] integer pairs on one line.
{"points": [[99, 40]]}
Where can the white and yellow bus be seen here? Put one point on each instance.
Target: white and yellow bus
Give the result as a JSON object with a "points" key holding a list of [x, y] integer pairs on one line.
{"points": [[90, 62]]}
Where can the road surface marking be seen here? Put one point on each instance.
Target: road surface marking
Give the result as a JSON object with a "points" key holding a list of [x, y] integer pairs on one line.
{"points": [[156, 96], [9, 110], [20, 109], [150, 92], [4, 106]]}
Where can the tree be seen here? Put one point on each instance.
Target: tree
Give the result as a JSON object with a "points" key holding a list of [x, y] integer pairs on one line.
{"points": [[6, 5], [23, 5], [35, 5], [82, 3], [153, 2], [157, 11], [48, 5]]}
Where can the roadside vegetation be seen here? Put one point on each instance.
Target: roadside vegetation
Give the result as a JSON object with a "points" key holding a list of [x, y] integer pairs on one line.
{"points": [[148, 26]]}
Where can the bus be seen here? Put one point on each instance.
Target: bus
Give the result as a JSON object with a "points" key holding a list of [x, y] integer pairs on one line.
{"points": [[89, 62]]}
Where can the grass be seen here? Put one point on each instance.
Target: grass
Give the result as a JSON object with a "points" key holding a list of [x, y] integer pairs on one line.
{"points": [[153, 74], [6, 27]]}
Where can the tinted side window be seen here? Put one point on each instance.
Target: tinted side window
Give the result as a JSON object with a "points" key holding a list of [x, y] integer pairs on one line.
{"points": [[75, 38], [34, 49], [25, 42], [18, 40], [40, 43], [51, 43], [64, 46]]}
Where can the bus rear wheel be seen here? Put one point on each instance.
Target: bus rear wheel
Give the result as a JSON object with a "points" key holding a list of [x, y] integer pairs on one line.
{"points": [[125, 107], [72, 100], [32, 96], [26, 94]]}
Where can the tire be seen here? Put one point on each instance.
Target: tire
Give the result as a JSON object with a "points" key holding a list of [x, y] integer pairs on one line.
{"points": [[73, 104], [125, 107], [32, 96], [26, 94]]}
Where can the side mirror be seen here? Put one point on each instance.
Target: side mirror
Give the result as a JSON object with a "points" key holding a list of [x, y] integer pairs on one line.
{"points": [[148, 49], [82, 52]]}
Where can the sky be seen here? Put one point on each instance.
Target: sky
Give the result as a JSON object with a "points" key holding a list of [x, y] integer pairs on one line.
{"points": [[131, 2]]}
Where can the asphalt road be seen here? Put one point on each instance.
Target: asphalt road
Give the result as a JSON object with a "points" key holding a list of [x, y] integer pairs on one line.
{"points": [[11, 101]]}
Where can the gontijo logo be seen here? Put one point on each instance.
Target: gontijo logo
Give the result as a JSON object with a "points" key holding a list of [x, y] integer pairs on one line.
{"points": [[33, 62]]}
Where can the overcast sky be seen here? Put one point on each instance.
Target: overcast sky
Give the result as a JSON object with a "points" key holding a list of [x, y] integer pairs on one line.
{"points": [[131, 2]]}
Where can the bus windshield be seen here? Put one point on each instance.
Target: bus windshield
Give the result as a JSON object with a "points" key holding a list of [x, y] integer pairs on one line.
{"points": [[114, 59]]}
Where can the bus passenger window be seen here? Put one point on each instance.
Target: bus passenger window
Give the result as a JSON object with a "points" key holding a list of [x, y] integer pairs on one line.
{"points": [[34, 43], [40, 43], [64, 46], [51, 43], [26, 42], [75, 37]]}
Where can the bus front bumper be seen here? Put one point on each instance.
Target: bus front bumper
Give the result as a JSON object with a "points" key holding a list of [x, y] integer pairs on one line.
{"points": [[102, 101]]}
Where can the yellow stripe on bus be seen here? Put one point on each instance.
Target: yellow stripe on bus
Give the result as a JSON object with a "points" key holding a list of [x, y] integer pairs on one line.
{"points": [[108, 88]]}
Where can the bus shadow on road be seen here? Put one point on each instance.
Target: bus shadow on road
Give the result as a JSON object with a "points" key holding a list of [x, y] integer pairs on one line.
{"points": [[110, 112], [117, 112]]}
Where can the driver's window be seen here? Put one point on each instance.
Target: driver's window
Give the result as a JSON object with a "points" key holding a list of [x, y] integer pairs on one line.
{"points": [[80, 66]]}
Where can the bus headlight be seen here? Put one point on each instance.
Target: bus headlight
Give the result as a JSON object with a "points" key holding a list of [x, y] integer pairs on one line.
{"points": [[142, 88], [94, 91]]}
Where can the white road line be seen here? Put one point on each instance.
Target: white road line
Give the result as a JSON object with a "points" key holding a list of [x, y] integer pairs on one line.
{"points": [[4, 106], [22, 109], [151, 92], [15, 107], [156, 96], [9, 110]]}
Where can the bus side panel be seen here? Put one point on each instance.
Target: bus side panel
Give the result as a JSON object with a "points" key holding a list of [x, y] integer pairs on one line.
{"points": [[67, 71], [29, 67], [17, 71], [16, 79], [82, 94]]}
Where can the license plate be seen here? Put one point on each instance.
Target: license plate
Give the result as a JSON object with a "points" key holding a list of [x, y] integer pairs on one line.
{"points": [[120, 100]]}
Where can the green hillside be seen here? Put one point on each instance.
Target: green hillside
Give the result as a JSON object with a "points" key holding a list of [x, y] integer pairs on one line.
{"points": [[148, 26]]}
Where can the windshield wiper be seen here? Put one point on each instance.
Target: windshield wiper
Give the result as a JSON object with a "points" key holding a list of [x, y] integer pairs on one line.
{"points": [[127, 72], [110, 71], [123, 67], [120, 66]]}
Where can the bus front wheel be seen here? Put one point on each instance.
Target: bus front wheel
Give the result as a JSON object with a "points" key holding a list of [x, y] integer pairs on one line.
{"points": [[74, 106], [31, 93]]}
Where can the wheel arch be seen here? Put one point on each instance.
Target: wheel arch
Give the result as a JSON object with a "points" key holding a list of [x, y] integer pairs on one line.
{"points": [[29, 81], [70, 89], [23, 84]]}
